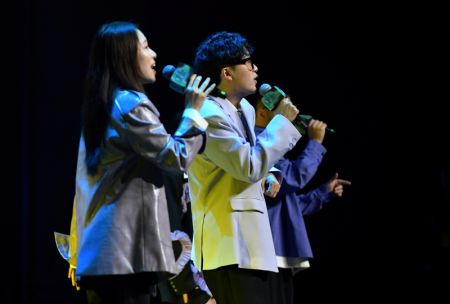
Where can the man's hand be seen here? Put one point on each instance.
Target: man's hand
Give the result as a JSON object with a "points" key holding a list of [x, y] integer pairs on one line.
{"points": [[271, 186], [316, 130], [336, 185], [287, 109]]}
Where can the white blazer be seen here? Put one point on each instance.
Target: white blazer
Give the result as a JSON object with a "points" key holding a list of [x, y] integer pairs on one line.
{"points": [[230, 220]]}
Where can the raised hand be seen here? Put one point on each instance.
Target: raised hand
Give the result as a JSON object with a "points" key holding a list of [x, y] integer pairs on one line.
{"points": [[287, 109], [196, 93], [336, 185], [316, 130]]}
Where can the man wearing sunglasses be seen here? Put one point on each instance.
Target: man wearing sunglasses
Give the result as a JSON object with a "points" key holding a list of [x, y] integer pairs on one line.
{"points": [[233, 243]]}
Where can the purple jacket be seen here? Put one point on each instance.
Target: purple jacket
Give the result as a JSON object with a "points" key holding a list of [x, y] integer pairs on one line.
{"points": [[286, 211]]}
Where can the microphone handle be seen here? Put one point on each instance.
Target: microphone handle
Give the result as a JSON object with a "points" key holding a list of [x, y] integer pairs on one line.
{"points": [[302, 121], [272, 98]]}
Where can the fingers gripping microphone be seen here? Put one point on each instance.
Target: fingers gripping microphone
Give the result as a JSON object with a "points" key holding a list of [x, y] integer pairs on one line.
{"points": [[178, 77], [271, 97]]}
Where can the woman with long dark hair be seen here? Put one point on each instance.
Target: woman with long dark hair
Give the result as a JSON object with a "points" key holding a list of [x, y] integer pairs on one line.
{"points": [[120, 234]]}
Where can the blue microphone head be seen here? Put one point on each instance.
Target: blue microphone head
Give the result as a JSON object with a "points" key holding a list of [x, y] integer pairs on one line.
{"points": [[264, 88], [178, 76], [271, 96], [168, 71]]}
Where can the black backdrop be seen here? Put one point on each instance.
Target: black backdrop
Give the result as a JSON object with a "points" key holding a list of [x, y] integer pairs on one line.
{"points": [[337, 59]]}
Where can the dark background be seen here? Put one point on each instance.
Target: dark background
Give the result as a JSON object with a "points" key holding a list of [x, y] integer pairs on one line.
{"points": [[352, 64]]}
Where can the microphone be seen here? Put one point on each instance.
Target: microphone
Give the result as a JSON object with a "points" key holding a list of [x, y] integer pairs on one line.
{"points": [[271, 97], [178, 77]]}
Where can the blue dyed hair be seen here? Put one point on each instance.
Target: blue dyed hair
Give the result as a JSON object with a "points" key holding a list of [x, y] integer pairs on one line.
{"points": [[219, 50]]}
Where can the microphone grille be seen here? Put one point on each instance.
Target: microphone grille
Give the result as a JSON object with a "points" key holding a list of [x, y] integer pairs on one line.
{"points": [[264, 88], [168, 71]]}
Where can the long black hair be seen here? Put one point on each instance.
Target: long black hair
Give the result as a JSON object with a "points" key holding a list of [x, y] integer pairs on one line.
{"points": [[112, 65]]}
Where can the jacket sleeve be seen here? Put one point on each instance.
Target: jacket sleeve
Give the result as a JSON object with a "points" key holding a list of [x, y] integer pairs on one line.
{"points": [[237, 157], [314, 200], [297, 173], [148, 138]]}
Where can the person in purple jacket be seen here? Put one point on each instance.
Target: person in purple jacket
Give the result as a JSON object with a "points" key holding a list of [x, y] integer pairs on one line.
{"points": [[286, 207]]}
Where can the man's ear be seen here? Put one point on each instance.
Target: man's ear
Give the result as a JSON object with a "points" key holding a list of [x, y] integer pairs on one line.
{"points": [[264, 112], [260, 108], [261, 111], [226, 73]]}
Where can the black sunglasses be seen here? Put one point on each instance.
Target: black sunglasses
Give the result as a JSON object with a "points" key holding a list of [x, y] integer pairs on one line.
{"points": [[247, 61]]}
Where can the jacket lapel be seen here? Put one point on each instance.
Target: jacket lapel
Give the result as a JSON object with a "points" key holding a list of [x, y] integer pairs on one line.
{"points": [[246, 124], [233, 116]]}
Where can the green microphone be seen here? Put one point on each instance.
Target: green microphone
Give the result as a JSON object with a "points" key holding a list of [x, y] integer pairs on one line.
{"points": [[178, 76], [271, 97]]}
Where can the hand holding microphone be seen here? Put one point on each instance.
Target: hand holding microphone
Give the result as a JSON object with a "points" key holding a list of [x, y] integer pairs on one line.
{"points": [[286, 108], [182, 80], [273, 96]]}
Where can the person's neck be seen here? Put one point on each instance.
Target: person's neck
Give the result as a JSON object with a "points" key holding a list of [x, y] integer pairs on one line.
{"points": [[235, 100], [259, 123], [233, 97]]}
